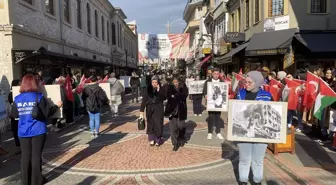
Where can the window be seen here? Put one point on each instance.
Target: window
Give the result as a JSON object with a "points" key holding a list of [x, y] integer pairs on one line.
{"points": [[256, 11], [103, 28], [2, 4], [318, 6], [108, 31], [247, 8], [114, 34], [238, 20], [96, 24], [66, 9], [88, 18], [50, 6], [79, 14], [276, 8], [233, 23], [118, 34], [29, 1]]}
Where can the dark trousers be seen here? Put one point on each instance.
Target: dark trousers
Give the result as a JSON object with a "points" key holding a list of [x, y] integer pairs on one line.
{"points": [[135, 93], [214, 120], [31, 161], [69, 112], [197, 106], [177, 131], [15, 125]]}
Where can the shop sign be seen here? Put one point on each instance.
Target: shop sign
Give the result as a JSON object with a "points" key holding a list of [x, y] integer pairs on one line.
{"points": [[206, 50], [281, 51], [276, 23], [224, 47], [234, 37]]}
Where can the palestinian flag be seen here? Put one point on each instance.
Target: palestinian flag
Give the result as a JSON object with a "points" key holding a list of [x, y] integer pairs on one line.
{"points": [[236, 78], [311, 92], [325, 97], [291, 94]]}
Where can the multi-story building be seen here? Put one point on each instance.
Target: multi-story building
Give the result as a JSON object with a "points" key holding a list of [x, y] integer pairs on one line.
{"points": [[62, 36], [193, 15], [282, 34]]}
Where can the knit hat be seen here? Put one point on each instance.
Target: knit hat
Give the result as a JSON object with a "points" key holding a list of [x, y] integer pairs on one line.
{"points": [[257, 78]]}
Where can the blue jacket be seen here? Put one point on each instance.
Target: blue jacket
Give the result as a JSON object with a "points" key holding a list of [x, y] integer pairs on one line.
{"points": [[261, 96], [22, 108]]}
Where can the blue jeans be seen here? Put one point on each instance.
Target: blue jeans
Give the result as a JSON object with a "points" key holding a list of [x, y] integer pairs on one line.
{"points": [[251, 153], [94, 121]]}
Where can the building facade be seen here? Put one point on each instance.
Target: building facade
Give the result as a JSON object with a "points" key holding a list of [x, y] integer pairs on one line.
{"points": [[63, 36], [282, 34]]}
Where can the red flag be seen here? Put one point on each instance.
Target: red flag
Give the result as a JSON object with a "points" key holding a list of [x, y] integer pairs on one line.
{"points": [[105, 79], [275, 89], [266, 87], [241, 71], [291, 94], [68, 89], [80, 87], [312, 86], [221, 77]]}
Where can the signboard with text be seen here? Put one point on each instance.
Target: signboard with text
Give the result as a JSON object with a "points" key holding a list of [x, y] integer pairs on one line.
{"points": [[276, 23], [279, 51]]}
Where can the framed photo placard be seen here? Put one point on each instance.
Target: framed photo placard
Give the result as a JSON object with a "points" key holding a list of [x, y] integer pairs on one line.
{"points": [[196, 87], [218, 96], [257, 121]]}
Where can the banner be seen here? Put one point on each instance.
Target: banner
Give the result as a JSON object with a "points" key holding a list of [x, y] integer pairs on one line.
{"points": [[163, 46]]}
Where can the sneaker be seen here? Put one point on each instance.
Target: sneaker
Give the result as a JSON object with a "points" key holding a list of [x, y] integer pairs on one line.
{"points": [[200, 115], [93, 134], [298, 130], [219, 136], [209, 136], [195, 114]]}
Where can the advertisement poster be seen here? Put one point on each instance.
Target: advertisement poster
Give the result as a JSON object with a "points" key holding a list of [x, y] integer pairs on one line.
{"points": [[277, 23], [163, 46]]}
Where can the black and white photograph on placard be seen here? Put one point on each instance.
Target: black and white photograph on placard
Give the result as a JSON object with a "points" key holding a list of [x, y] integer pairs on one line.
{"points": [[196, 87], [217, 96], [257, 121]]}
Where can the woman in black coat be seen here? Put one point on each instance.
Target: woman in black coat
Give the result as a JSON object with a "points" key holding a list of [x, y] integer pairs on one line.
{"points": [[153, 103], [176, 110]]}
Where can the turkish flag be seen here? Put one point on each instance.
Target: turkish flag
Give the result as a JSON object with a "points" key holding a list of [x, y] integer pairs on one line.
{"points": [[291, 94], [105, 79], [312, 86], [68, 88], [266, 87], [275, 89]]}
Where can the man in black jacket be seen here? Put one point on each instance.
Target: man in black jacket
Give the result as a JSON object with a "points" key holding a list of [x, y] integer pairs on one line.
{"points": [[214, 116], [135, 84]]}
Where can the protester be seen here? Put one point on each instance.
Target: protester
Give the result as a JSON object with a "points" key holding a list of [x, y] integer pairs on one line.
{"points": [[32, 132], [135, 84], [252, 152], [197, 102], [152, 102], [214, 116], [57, 124], [95, 97], [176, 110], [116, 91], [14, 122]]}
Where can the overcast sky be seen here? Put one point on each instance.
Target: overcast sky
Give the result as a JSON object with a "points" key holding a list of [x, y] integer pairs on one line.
{"points": [[152, 16]]}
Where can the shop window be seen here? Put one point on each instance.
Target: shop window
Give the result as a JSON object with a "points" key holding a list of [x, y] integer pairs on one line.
{"points": [[50, 6], [88, 18], [114, 34], [66, 9], [96, 23], [79, 14], [276, 8], [103, 28], [256, 11], [318, 6]]}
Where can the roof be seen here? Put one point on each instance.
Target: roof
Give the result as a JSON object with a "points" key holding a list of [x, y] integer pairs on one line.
{"points": [[318, 42], [227, 58], [120, 12]]}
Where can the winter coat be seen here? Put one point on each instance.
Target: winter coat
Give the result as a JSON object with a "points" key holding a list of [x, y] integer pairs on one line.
{"points": [[89, 89], [135, 81], [116, 87], [177, 98]]}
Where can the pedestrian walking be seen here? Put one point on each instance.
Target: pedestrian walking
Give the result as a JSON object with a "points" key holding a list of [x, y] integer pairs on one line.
{"points": [[152, 102], [135, 84], [197, 102], [57, 124], [252, 152], [116, 92], [3, 117], [95, 98], [143, 83], [14, 122], [214, 116], [32, 132], [176, 110]]}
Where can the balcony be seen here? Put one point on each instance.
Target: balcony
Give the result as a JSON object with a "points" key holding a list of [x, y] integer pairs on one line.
{"points": [[192, 25], [190, 7]]}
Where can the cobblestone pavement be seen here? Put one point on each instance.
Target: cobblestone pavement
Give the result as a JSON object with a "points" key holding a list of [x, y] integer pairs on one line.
{"points": [[121, 155]]}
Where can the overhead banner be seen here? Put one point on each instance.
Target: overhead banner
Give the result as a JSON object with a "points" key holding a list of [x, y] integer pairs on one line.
{"points": [[163, 46]]}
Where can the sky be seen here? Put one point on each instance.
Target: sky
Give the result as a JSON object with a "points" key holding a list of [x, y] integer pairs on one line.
{"points": [[152, 16]]}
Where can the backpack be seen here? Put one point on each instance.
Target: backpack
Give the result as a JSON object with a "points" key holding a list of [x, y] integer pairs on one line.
{"points": [[92, 102]]}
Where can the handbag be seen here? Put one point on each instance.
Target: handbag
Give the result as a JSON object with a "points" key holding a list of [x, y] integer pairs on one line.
{"points": [[141, 124], [37, 112]]}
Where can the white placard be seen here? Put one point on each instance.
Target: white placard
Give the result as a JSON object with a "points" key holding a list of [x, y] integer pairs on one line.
{"points": [[126, 80], [217, 96], [196, 87]]}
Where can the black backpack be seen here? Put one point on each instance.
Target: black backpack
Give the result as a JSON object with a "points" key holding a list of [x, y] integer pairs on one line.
{"points": [[92, 101]]}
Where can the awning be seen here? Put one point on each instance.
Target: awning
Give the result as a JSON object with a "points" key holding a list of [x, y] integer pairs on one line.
{"points": [[206, 59], [318, 42], [227, 58], [270, 43]]}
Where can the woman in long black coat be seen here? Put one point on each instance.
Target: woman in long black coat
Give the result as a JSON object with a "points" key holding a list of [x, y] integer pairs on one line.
{"points": [[153, 103], [176, 110]]}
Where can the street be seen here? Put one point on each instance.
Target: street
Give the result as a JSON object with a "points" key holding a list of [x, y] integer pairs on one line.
{"points": [[122, 155]]}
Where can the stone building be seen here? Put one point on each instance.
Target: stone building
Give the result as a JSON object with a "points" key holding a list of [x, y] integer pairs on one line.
{"points": [[62, 36]]}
